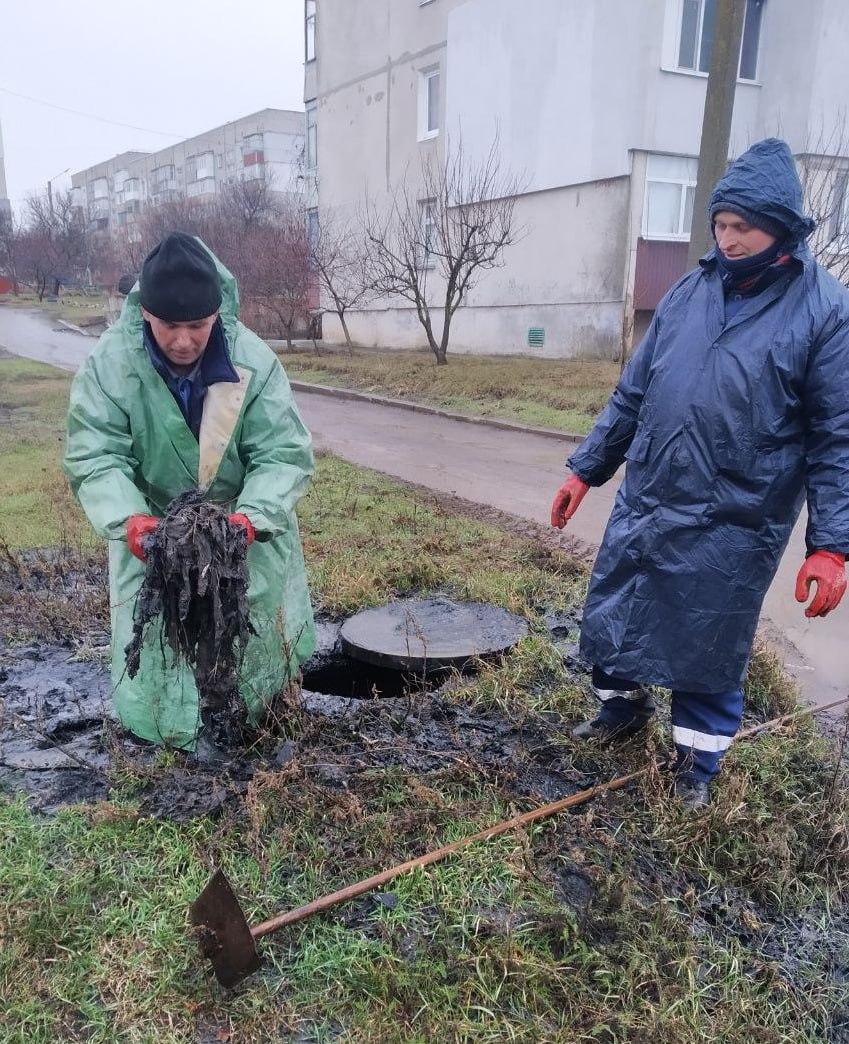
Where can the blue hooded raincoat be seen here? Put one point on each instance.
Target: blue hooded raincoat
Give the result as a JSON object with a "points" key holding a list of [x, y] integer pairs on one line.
{"points": [[726, 427]]}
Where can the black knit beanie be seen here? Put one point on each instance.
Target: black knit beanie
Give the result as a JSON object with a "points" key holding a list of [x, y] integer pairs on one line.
{"points": [[179, 281], [772, 226]]}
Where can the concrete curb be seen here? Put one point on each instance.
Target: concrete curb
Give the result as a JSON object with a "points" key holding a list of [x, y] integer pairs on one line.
{"points": [[417, 407]]}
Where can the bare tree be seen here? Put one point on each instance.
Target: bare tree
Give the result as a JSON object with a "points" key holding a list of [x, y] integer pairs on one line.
{"points": [[338, 255], [277, 277], [55, 248], [824, 168], [247, 204], [10, 249], [431, 244]]}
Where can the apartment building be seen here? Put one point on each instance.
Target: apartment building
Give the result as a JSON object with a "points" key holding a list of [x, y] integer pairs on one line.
{"points": [[596, 107], [267, 145]]}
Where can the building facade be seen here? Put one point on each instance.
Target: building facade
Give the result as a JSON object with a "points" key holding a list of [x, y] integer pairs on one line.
{"points": [[267, 145], [596, 108]]}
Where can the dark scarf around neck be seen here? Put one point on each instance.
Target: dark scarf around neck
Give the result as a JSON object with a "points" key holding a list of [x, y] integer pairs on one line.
{"points": [[751, 275]]}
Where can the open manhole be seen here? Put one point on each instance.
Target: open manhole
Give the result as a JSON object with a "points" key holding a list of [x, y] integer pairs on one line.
{"points": [[411, 645]]}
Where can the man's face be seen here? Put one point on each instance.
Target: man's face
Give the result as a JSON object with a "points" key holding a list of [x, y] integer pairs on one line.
{"points": [[182, 344], [737, 239]]}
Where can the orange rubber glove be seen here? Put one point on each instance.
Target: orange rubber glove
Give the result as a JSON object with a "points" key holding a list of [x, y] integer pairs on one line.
{"points": [[828, 570], [138, 527], [243, 520], [567, 500]]}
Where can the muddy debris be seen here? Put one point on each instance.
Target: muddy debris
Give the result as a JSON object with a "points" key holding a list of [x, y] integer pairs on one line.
{"points": [[196, 586]]}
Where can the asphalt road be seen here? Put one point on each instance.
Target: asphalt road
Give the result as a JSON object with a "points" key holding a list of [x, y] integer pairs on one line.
{"points": [[517, 472]]}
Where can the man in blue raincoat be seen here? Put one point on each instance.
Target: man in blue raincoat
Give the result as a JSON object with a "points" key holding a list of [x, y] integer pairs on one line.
{"points": [[732, 411], [179, 394]]}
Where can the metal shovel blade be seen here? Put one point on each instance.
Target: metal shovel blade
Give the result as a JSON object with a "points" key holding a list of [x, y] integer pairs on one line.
{"points": [[223, 934]]}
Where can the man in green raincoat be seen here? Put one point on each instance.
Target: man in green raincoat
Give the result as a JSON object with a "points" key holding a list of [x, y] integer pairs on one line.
{"points": [[178, 394]]}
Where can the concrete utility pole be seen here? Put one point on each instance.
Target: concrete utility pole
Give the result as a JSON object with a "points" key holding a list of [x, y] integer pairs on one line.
{"points": [[716, 125]]}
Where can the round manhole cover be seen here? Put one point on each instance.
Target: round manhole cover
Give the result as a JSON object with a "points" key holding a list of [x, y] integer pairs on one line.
{"points": [[425, 634]]}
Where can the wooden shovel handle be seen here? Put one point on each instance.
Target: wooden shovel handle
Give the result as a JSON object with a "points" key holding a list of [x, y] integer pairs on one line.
{"points": [[370, 883]]}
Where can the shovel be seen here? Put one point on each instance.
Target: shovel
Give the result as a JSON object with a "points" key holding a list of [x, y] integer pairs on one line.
{"points": [[226, 938]]}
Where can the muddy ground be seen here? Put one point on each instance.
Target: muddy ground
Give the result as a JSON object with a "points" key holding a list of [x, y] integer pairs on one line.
{"points": [[60, 745]]}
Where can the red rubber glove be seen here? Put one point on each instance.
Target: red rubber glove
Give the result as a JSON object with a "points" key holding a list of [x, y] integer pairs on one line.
{"points": [[138, 527], [243, 520], [828, 569], [567, 499]]}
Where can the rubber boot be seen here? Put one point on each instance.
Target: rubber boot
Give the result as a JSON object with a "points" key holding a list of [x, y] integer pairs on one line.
{"points": [[622, 715]]}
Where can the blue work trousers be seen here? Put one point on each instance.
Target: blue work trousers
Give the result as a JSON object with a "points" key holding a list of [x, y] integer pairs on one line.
{"points": [[703, 725]]}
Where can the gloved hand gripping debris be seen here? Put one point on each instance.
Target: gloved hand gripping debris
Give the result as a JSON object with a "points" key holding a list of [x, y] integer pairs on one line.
{"points": [[196, 580]]}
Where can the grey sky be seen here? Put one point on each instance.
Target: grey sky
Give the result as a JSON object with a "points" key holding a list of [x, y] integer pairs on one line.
{"points": [[181, 66]]}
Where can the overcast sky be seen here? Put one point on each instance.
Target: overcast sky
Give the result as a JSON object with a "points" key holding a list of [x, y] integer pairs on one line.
{"points": [[171, 68]]}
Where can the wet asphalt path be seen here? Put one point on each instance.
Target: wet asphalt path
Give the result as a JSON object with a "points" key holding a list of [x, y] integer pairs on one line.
{"points": [[516, 472]]}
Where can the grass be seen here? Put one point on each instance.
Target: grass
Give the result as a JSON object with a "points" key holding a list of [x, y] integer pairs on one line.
{"points": [[75, 307], [623, 921], [37, 509], [565, 395]]}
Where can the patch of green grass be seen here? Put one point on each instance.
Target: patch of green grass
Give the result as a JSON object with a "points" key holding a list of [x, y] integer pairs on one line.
{"points": [[36, 508], [565, 394]]}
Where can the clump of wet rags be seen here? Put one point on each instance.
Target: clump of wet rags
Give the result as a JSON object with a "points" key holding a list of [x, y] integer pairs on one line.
{"points": [[196, 582]]}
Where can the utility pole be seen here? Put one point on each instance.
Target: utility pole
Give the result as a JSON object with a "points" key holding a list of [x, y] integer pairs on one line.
{"points": [[716, 124], [50, 189]]}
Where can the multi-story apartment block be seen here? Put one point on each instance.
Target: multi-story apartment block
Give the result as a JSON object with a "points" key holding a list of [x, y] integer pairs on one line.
{"points": [[267, 145], [596, 107]]}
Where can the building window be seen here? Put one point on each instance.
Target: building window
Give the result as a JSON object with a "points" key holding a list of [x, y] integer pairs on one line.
{"points": [[100, 188], [309, 30], [132, 189], [163, 177], [698, 22], [312, 138], [201, 166], [428, 103], [670, 191], [201, 187], [427, 214]]}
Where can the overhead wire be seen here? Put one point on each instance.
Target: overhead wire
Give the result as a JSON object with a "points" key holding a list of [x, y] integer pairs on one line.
{"points": [[91, 116]]}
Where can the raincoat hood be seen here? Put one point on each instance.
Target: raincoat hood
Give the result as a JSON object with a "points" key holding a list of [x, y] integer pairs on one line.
{"points": [[764, 179]]}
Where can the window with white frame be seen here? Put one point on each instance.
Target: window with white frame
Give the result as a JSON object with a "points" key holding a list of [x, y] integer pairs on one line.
{"points": [[698, 23], [429, 80], [309, 30], [670, 192], [427, 216], [201, 166], [312, 138]]}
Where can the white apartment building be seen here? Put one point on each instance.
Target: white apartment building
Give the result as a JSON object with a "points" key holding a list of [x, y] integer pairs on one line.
{"points": [[266, 145], [597, 108]]}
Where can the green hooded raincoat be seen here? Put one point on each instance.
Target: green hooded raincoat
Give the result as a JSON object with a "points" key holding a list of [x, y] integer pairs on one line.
{"points": [[130, 452]]}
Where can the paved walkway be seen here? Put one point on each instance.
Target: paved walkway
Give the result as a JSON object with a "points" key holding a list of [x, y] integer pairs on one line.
{"points": [[513, 470]]}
